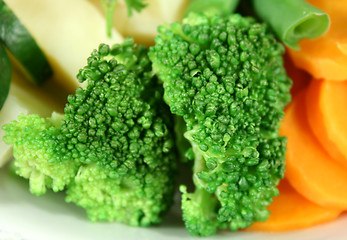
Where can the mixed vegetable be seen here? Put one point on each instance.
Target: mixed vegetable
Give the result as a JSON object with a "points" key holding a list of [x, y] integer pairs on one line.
{"points": [[209, 89]]}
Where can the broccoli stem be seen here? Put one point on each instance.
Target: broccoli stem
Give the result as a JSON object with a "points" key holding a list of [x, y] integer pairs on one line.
{"points": [[199, 161], [109, 7], [207, 203], [199, 211], [37, 183], [221, 7], [298, 19], [182, 144]]}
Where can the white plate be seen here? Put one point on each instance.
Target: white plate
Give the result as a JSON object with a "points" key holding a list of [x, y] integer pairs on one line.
{"points": [[26, 217]]}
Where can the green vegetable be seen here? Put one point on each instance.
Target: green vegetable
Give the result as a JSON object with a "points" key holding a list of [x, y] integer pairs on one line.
{"points": [[110, 5], [22, 46], [292, 20], [225, 78], [5, 76], [222, 7], [23, 97], [112, 150]]}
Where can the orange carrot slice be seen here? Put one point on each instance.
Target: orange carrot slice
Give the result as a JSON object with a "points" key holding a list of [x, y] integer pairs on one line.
{"points": [[326, 56], [291, 211], [301, 78], [310, 169], [325, 102]]}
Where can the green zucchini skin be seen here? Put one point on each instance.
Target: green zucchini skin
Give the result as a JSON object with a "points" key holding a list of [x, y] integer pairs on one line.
{"points": [[5, 75], [22, 46]]}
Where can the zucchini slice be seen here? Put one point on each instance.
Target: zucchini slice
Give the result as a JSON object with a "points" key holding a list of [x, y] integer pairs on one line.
{"points": [[5, 75], [22, 46]]}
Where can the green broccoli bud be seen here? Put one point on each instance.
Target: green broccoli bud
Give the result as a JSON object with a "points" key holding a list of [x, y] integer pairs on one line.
{"points": [[36, 146], [225, 78], [120, 128], [113, 151]]}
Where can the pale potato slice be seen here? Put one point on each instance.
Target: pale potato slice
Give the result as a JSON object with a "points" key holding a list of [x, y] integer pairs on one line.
{"points": [[67, 31], [143, 26]]}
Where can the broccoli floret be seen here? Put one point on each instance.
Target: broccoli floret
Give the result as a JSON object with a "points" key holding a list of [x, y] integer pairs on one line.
{"points": [[225, 77], [113, 151], [35, 141]]}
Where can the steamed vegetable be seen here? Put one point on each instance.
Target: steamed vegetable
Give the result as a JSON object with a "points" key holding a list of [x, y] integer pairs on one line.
{"points": [[301, 79], [24, 98], [291, 211], [110, 5], [327, 121], [22, 46], [225, 78], [67, 31], [142, 26], [112, 150], [292, 20], [310, 169], [221, 7], [326, 57], [5, 76]]}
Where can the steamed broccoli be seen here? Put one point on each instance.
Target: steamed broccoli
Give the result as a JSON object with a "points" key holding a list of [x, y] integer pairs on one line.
{"points": [[112, 150], [35, 141], [224, 77]]}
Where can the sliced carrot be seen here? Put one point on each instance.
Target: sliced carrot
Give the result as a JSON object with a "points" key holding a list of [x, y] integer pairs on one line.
{"points": [[326, 56], [291, 211], [301, 78], [310, 169], [325, 101]]}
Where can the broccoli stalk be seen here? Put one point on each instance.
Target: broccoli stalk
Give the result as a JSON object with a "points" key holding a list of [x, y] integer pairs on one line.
{"points": [[112, 150], [110, 5], [224, 77]]}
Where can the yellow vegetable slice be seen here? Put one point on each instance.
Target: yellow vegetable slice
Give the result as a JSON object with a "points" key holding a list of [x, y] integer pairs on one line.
{"points": [[67, 31]]}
